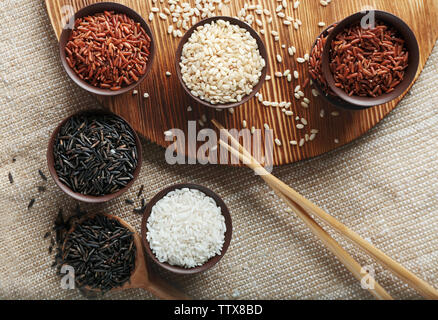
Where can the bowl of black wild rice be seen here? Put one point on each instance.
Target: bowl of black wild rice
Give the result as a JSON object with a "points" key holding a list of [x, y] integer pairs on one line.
{"points": [[94, 156]]}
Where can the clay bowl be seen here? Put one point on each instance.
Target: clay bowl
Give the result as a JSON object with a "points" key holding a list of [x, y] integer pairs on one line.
{"points": [[141, 276], [91, 10], [210, 263], [262, 50], [328, 98], [79, 196], [412, 47]]}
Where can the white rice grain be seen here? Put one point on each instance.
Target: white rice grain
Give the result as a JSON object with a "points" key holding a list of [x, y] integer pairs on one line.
{"points": [[186, 228], [221, 62]]}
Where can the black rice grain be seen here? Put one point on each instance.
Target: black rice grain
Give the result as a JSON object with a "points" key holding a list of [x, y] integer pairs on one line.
{"points": [[30, 205], [101, 251], [140, 192], [42, 175], [95, 154]]}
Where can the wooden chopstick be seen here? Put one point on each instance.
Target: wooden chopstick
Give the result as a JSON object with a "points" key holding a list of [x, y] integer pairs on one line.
{"points": [[420, 285], [352, 265]]}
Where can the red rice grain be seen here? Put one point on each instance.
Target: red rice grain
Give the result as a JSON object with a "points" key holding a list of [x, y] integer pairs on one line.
{"points": [[315, 61], [108, 50], [368, 63]]}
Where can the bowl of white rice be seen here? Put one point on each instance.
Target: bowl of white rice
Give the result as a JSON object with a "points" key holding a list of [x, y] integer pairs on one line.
{"points": [[221, 62], [186, 228]]}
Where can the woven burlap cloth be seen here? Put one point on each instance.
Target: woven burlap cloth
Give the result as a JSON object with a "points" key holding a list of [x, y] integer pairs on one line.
{"points": [[384, 186]]}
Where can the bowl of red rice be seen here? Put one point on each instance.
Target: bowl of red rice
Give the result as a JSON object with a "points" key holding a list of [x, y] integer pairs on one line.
{"points": [[315, 72], [107, 48], [369, 62]]}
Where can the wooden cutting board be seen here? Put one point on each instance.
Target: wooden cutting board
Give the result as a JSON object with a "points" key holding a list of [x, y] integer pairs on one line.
{"points": [[166, 108]]}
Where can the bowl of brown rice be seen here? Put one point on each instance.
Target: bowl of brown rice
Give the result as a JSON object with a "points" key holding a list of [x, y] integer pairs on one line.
{"points": [[368, 63], [107, 48], [221, 62]]}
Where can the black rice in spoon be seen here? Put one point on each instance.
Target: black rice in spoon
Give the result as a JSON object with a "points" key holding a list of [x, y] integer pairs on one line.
{"points": [[95, 154], [102, 253]]}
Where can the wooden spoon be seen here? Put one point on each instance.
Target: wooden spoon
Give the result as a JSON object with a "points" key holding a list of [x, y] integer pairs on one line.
{"points": [[141, 276]]}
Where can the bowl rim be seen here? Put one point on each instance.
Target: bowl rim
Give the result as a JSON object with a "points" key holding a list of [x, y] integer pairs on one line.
{"points": [[80, 196], [97, 8], [213, 260], [325, 96], [262, 49], [413, 63]]}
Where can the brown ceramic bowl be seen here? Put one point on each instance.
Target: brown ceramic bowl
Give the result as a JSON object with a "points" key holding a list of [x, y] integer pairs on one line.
{"points": [[210, 263], [328, 98], [261, 47], [91, 10], [411, 45], [79, 196]]}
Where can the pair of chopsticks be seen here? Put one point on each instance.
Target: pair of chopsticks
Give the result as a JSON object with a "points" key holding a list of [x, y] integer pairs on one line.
{"points": [[302, 207]]}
